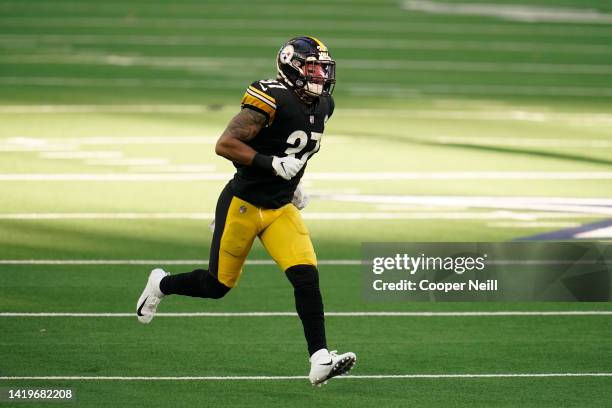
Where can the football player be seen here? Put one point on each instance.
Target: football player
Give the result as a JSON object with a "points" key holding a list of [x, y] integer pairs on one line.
{"points": [[270, 141]]}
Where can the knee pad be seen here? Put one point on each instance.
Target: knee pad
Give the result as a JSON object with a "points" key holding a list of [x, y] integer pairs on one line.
{"points": [[303, 276]]}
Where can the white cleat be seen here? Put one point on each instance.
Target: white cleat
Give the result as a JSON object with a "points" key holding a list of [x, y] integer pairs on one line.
{"points": [[151, 296], [325, 365]]}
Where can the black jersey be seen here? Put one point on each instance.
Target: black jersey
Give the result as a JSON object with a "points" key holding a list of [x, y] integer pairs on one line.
{"points": [[293, 128]]}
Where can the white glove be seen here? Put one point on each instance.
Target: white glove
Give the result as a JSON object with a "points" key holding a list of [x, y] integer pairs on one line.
{"points": [[300, 198], [286, 167]]}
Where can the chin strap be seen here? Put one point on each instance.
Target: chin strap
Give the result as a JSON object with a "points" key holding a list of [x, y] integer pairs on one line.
{"points": [[304, 96], [300, 92]]}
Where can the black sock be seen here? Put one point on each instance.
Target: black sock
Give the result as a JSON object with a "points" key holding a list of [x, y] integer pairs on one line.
{"points": [[199, 283], [309, 304]]}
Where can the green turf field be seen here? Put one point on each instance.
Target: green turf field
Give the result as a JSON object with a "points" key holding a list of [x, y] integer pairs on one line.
{"points": [[109, 112]]}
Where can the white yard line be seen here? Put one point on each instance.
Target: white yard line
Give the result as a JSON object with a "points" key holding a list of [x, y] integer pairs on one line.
{"points": [[512, 114], [533, 224], [513, 12], [337, 262], [134, 161], [136, 140], [118, 82], [108, 216], [460, 175], [596, 206], [548, 212], [190, 109], [66, 147], [175, 168], [528, 142], [327, 176], [221, 63], [339, 43], [260, 262], [81, 155], [329, 314], [457, 215], [404, 90], [297, 377], [470, 200], [116, 177]]}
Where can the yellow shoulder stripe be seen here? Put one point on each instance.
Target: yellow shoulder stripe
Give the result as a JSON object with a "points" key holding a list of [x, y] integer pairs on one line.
{"points": [[249, 99], [264, 95]]}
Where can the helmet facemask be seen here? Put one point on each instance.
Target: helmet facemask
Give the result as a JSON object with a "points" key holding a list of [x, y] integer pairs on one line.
{"points": [[320, 76]]}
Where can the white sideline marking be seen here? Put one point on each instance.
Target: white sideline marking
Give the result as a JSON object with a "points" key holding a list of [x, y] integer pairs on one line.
{"points": [[190, 109], [298, 377], [118, 82], [403, 90], [533, 224], [461, 175], [176, 168], [108, 216], [116, 177], [155, 262], [259, 262], [547, 212], [81, 155], [333, 314], [333, 176], [469, 200], [450, 114], [514, 12], [128, 162], [139, 140], [527, 142], [600, 206], [64, 148], [515, 114]]}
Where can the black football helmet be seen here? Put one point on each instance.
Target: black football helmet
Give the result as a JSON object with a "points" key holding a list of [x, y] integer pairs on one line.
{"points": [[305, 65]]}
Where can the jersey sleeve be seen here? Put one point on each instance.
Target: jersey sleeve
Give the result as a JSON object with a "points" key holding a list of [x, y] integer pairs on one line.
{"points": [[332, 106], [258, 99]]}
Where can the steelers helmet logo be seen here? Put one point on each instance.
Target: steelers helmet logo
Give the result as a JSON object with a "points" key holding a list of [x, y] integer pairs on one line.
{"points": [[286, 54]]}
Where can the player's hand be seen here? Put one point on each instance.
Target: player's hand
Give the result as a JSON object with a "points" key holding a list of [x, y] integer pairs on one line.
{"points": [[286, 167], [300, 198]]}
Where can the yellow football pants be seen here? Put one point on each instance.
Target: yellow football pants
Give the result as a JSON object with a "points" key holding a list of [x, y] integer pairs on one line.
{"points": [[282, 232]]}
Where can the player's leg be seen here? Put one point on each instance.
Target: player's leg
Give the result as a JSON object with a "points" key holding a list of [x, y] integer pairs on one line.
{"points": [[232, 239], [288, 242]]}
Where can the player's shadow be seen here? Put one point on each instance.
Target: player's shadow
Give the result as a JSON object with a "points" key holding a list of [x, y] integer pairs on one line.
{"points": [[538, 153], [485, 148]]}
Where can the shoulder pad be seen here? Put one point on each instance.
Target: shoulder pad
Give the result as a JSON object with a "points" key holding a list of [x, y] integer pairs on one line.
{"points": [[259, 97]]}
